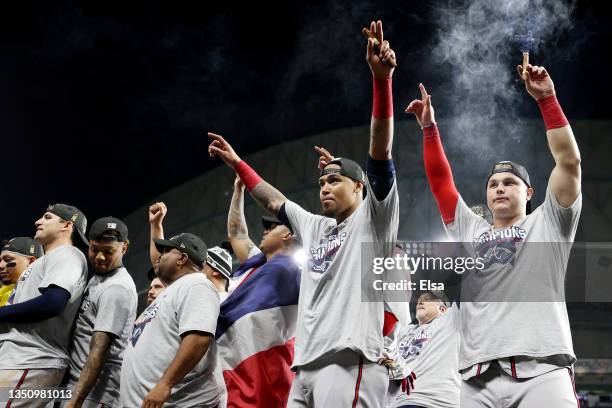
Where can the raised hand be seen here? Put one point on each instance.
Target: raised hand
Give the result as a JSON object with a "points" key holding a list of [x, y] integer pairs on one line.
{"points": [[238, 184], [422, 109], [220, 148], [378, 60], [157, 212], [537, 81], [324, 157]]}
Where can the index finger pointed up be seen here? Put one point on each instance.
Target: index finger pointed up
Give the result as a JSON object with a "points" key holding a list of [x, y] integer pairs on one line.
{"points": [[424, 94], [216, 137]]}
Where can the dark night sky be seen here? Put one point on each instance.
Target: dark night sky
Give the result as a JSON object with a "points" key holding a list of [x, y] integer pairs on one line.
{"points": [[105, 106]]}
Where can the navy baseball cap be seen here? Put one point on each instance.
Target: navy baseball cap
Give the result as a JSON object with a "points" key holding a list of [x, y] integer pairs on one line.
{"points": [[268, 222], [109, 228], [71, 213], [188, 243], [348, 168], [25, 246], [518, 170]]}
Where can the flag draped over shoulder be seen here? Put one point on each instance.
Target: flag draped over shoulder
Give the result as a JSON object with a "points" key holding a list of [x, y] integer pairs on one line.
{"points": [[255, 333]]}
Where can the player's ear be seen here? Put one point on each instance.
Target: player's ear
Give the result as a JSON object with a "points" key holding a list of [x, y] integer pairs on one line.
{"points": [[529, 193], [31, 259], [126, 245]]}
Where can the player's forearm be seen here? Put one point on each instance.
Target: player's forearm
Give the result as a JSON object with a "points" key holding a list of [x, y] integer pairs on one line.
{"points": [[381, 125], [192, 349], [157, 231], [236, 223], [439, 173], [265, 194], [560, 137], [98, 352], [237, 230]]}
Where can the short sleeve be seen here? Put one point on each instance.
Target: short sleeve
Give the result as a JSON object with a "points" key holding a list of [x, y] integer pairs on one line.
{"points": [[65, 267], [198, 308], [301, 220], [564, 220], [116, 306], [386, 210], [466, 223]]}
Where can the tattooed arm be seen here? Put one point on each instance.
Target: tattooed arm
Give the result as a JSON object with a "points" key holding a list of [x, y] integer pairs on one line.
{"points": [[237, 230], [98, 351]]}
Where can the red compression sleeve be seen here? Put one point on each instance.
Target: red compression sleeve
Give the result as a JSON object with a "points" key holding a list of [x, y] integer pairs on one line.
{"points": [[389, 323], [382, 105], [439, 173], [248, 176], [552, 113]]}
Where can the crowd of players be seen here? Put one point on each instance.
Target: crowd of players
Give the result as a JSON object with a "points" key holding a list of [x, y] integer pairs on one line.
{"points": [[69, 306]]}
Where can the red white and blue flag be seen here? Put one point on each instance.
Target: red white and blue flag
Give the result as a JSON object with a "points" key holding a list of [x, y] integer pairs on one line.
{"points": [[255, 333]]}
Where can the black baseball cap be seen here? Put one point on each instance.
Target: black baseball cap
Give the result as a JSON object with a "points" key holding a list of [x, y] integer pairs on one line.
{"points": [[440, 295], [109, 228], [25, 246], [71, 213], [348, 168], [268, 222], [188, 243], [516, 169]]}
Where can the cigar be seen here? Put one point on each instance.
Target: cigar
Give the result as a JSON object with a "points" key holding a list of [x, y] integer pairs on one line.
{"points": [[368, 34], [525, 62]]}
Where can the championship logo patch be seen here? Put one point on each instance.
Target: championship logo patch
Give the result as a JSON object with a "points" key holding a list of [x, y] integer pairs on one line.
{"points": [[412, 345], [499, 246], [322, 256], [144, 319]]}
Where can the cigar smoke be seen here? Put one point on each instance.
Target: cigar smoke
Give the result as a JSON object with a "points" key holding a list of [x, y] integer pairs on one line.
{"points": [[476, 45]]}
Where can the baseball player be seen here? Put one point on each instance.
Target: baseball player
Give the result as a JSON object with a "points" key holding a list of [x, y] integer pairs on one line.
{"points": [[516, 352], [155, 287], [267, 280], [105, 319], [339, 338], [178, 329], [431, 349], [17, 254], [47, 296]]}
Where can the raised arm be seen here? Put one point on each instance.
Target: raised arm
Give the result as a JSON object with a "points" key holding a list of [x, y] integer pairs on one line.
{"points": [[157, 212], [237, 230], [437, 167], [564, 181], [381, 125], [265, 194]]}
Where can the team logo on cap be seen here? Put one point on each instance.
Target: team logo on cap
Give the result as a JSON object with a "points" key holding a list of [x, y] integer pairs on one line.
{"points": [[31, 249], [74, 217], [182, 245], [503, 165], [111, 225]]}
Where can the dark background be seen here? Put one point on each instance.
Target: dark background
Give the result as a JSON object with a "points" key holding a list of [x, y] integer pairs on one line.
{"points": [[106, 105]]}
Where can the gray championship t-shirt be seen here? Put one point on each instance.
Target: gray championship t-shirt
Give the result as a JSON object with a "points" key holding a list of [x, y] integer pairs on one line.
{"points": [[525, 261], [191, 303], [432, 352], [45, 344], [109, 305], [331, 314]]}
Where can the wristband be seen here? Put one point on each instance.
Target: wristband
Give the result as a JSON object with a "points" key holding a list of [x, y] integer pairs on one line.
{"points": [[382, 106], [552, 113], [248, 176]]}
